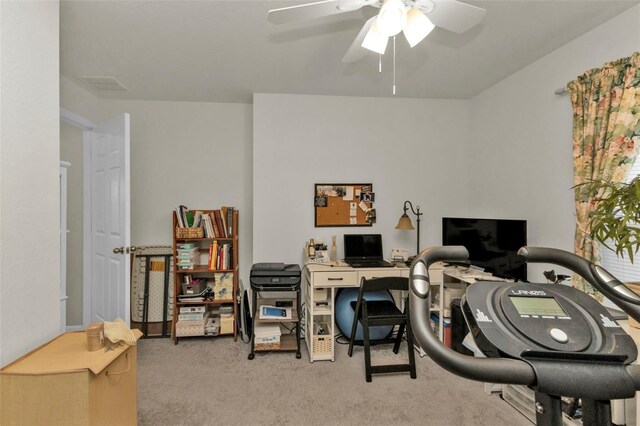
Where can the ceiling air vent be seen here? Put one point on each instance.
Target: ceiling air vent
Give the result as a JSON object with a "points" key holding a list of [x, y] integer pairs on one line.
{"points": [[103, 84]]}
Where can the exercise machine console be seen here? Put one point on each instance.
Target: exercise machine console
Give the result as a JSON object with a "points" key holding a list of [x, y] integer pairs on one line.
{"points": [[553, 338]]}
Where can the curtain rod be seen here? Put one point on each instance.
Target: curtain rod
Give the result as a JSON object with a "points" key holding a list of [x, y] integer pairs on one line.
{"points": [[561, 91]]}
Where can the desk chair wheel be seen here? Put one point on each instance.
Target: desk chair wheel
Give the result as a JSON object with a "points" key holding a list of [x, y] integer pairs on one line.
{"points": [[298, 355], [251, 356]]}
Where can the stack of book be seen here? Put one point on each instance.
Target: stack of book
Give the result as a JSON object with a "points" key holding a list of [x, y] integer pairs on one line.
{"points": [[215, 224], [218, 223], [188, 256], [220, 256], [191, 321]]}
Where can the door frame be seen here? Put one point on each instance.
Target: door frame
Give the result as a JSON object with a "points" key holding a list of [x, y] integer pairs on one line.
{"points": [[83, 124]]}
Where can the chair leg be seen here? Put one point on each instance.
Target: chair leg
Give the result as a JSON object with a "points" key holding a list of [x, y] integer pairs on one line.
{"points": [[410, 348], [352, 337], [396, 345], [367, 344]]}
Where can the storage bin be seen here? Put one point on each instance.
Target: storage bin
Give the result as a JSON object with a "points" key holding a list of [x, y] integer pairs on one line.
{"points": [[194, 287], [322, 344], [226, 323], [274, 346], [190, 328], [223, 292]]}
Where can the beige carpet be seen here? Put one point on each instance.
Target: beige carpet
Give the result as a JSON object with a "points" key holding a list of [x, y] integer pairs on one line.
{"points": [[210, 382]]}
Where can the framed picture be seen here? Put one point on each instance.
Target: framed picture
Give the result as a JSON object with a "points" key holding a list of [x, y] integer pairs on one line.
{"points": [[342, 204]]}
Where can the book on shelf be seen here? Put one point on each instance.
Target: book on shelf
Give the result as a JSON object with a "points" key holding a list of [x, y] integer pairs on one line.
{"points": [[179, 217], [208, 226], [197, 219], [220, 256], [213, 258], [228, 212], [188, 214], [198, 297], [223, 216], [220, 225], [273, 312]]}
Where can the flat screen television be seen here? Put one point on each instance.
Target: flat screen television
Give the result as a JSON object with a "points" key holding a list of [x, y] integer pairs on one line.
{"points": [[492, 243]]}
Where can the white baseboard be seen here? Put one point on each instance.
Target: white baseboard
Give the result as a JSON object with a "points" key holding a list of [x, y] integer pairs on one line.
{"points": [[75, 327]]}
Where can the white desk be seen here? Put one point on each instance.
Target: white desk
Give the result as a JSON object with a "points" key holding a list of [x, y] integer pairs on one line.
{"points": [[320, 282]]}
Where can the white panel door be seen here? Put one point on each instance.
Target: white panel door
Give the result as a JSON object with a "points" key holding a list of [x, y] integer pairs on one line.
{"points": [[110, 220]]}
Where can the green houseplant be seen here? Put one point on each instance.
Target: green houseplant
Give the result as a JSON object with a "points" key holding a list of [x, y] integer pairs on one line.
{"points": [[615, 221]]}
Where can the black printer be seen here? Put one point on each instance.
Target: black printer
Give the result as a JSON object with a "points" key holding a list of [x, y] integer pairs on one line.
{"points": [[275, 277]]}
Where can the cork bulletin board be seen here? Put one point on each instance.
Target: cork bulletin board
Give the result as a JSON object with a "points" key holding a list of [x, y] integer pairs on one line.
{"points": [[344, 204]]}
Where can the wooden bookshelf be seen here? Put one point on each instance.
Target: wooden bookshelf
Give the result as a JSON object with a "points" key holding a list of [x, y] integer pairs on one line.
{"points": [[203, 271]]}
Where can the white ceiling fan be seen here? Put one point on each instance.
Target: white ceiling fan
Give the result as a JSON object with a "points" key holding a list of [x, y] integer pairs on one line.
{"points": [[415, 18]]}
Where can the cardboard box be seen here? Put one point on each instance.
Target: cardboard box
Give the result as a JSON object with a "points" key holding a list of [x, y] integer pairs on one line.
{"points": [[63, 383], [190, 328], [223, 286], [226, 323]]}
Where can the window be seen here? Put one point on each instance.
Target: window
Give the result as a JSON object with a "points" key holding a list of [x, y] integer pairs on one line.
{"points": [[621, 268]]}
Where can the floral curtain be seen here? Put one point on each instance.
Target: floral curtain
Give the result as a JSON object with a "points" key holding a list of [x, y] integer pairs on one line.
{"points": [[606, 138]]}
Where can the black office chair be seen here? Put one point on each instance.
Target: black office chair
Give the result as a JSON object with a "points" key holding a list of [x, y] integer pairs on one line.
{"points": [[382, 312]]}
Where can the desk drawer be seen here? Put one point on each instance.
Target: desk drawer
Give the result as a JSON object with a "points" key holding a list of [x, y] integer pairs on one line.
{"points": [[335, 279], [380, 273]]}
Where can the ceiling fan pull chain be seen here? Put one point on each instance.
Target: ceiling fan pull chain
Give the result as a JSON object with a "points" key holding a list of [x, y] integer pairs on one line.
{"points": [[394, 65]]}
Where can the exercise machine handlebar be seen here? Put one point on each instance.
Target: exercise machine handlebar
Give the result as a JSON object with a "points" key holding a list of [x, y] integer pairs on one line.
{"points": [[496, 370], [597, 276]]}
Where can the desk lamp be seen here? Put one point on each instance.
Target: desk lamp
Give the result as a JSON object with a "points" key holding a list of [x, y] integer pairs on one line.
{"points": [[405, 222]]}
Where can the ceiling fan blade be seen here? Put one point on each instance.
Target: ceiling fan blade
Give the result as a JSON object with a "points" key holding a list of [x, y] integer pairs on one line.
{"points": [[356, 51], [313, 10], [455, 16]]}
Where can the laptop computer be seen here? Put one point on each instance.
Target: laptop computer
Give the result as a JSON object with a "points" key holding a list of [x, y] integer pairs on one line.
{"points": [[364, 251]]}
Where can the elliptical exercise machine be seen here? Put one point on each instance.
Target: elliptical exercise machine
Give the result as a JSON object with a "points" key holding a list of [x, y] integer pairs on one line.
{"points": [[553, 338]]}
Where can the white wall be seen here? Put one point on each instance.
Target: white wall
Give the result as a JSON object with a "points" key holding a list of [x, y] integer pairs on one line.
{"points": [[29, 182], [522, 145], [192, 153], [409, 149]]}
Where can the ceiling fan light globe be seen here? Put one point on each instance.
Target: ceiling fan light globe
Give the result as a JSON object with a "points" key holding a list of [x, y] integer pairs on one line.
{"points": [[418, 27], [392, 17], [375, 41]]}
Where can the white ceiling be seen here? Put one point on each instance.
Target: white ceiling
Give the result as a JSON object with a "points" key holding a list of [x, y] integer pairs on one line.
{"points": [[224, 51]]}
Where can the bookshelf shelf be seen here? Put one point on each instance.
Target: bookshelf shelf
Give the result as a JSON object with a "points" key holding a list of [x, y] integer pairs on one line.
{"points": [[202, 269], [206, 302], [218, 247]]}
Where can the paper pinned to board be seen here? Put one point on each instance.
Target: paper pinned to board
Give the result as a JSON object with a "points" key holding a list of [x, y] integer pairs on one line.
{"points": [[363, 206], [348, 196], [353, 212], [353, 221]]}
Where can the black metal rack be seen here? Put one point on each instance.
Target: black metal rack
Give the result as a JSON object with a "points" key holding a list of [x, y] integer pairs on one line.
{"points": [[285, 280]]}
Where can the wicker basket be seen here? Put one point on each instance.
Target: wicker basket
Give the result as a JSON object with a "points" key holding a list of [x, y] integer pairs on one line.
{"points": [[272, 346], [322, 344], [189, 232]]}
